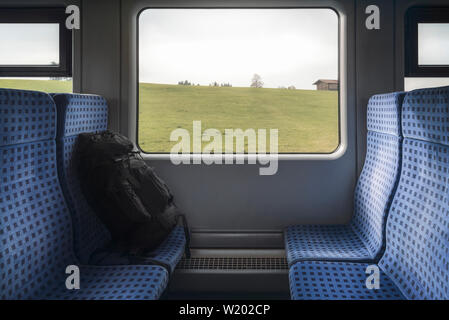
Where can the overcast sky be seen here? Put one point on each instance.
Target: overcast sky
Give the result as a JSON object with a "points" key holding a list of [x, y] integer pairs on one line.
{"points": [[285, 47], [22, 43], [433, 43]]}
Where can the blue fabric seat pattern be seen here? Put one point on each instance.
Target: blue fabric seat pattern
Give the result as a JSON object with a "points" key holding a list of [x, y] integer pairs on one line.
{"points": [[330, 280], [130, 282], [416, 258], [362, 239], [78, 113], [35, 227], [417, 248]]}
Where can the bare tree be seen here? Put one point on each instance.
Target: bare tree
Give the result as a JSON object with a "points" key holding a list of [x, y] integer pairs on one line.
{"points": [[256, 81]]}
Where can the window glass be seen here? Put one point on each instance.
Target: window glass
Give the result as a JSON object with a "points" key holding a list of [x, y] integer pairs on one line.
{"points": [[433, 43], [29, 44], [33, 48], [240, 69], [419, 83]]}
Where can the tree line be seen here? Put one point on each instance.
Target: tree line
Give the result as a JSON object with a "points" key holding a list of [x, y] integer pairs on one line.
{"points": [[256, 82]]}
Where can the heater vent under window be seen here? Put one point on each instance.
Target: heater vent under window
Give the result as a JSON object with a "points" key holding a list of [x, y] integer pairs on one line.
{"points": [[230, 263]]}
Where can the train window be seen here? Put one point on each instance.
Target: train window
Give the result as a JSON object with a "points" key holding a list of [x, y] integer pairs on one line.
{"points": [[42, 32], [419, 83], [433, 44], [239, 69], [22, 38], [427, 42]]}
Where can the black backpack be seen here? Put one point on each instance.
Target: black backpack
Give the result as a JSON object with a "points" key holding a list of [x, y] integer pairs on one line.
{"points": [[129, 198]]}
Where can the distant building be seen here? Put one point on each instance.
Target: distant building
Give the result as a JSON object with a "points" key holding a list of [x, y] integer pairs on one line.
{"points": [[329, 85]]}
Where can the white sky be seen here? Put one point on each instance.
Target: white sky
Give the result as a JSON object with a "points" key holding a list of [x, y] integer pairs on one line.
{"points": [[433, 43], [418, 83], [285, 47], [24, 43]]}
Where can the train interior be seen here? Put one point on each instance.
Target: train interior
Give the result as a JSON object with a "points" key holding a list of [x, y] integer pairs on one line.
{"points": [[304, 145]]}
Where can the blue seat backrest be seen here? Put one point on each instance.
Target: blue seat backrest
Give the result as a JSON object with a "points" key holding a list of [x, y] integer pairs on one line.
{"points": [[379, 177], [35, 226], [78, 113], [417, 249]]}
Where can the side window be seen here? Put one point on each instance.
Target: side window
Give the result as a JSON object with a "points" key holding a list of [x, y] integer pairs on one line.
{"points": [[245, 69], [36, 50], [426, 47]]}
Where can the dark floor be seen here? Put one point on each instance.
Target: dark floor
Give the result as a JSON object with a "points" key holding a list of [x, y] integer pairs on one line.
{"points": [[225, 296]]}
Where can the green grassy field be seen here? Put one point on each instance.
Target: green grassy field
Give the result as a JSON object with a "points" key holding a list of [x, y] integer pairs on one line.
{"points": [[50, 86], [307, 120]]}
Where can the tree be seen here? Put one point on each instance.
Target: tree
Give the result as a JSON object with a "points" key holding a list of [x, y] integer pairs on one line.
{"points": [[256, 81], [184, 83]]}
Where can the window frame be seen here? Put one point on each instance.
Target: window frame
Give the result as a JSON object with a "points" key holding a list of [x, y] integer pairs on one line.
{"points": [[413, 17], [341, 147], [40, 15]]}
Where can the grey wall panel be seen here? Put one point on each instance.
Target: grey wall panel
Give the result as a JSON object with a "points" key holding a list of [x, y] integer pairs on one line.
{"points": [[101, 53], [375, 63], [236, 198]]}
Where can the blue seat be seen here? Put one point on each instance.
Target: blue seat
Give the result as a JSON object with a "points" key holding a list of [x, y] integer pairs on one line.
{"points": [[362, 238], [35, 226], [78, 113], [331, 280], [416, 258]]}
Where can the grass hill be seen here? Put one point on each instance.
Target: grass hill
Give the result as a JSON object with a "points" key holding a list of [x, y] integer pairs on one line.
{"points": [[307, 119]]}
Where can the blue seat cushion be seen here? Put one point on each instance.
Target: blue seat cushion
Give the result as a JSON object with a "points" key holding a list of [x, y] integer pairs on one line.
{"points": [[324, 242], [112, 283], [78, 113], [417, 249], [326, 280], [417, 245], [168, 253]]}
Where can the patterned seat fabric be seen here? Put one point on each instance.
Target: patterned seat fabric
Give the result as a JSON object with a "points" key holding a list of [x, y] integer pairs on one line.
{"points": [[416, 258], [35, 226], [78, 113], [312, 280], [324, 241], [113, 283], [417, 248], [362, 239]]}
